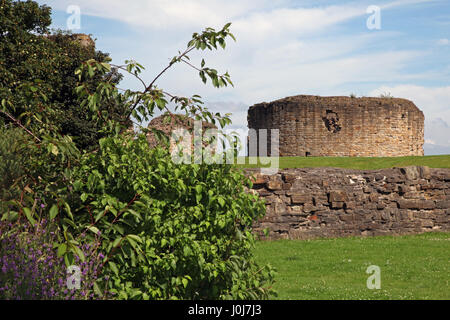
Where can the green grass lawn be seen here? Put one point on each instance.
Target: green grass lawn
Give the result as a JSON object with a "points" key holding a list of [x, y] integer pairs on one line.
{"points": [[412, 267], [440, 161]]}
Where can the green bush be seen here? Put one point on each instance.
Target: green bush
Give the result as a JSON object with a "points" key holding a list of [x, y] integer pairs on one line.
{"points": [[171, 231], [37, 75]]}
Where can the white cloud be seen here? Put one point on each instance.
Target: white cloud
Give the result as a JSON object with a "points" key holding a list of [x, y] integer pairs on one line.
{"points": [[443, 42], [276, 25], [263, 15], [163, 14]]}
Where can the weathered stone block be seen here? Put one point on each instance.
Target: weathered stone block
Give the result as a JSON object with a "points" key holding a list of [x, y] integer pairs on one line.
{"points": [[309, 207], [350, 205], [263, 192], [289, 178], [337, 204], [411, 172], [287, 186], [373, 197], [259, 179], [346, 217], [274, 185], [403, 188], [416, 204], [337, 196], [300, 198], [443, 204]]}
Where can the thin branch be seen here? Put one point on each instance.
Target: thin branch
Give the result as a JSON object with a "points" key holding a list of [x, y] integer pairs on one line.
{"points": [[20, 125], [191, 65], [160, 74], [124, 69], [170, 64]]}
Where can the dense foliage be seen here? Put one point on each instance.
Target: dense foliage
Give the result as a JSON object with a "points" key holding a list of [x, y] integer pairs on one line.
{"points": [[37, 74], [177, 230], [164, 230]]}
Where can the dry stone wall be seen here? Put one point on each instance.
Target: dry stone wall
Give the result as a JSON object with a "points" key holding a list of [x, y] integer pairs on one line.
{"points": [[341, 126], [330, 202]]}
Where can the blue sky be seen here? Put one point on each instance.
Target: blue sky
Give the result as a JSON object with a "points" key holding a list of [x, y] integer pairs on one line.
{"points": [[284, 48]]}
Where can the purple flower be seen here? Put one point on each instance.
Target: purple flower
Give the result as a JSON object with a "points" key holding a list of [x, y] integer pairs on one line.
{"points": [[42, 205], [30, 254]]}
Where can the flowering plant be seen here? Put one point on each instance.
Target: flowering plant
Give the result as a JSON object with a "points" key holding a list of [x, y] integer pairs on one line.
{"points": [[31, 268]]}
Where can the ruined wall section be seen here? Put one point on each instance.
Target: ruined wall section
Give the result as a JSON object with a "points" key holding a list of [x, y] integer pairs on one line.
{"points": [[342, 126], [330, 202]]}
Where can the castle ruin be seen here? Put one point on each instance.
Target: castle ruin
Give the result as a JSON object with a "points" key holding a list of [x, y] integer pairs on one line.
{"points": [[341, 126]]}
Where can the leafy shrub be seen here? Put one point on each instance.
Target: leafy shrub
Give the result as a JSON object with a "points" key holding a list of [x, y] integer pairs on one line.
{"points": [[171, 231], [37, 74]]}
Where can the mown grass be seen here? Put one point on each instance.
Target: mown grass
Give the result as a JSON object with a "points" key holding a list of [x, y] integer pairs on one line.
{"points": [[412, 267], [439, 161]]}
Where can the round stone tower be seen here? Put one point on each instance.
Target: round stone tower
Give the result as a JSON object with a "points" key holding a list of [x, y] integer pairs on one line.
{"points": [[342, 126]]}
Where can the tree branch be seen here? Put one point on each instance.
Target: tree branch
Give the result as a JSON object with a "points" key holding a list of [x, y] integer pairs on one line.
{"points": [[20, 125], [148, 88]]}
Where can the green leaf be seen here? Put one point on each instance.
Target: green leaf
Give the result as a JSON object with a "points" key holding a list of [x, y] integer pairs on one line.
{"points": [[79, 253], [113, 267], [53, 211], [69, 258], [135, 237], [62, 249], [187, 251], [29, 216], [97, 290], [198, 188], [93, 229], [107, 66], [68, 210], [83, 197], [116, 242]]}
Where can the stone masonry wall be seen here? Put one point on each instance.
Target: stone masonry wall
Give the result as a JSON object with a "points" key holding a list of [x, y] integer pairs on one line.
{"points": [[342, 126], [330, 202]]}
